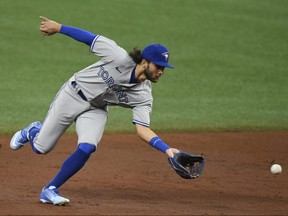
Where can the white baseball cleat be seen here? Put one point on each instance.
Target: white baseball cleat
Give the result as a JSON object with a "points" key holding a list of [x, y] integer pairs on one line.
{"points": [[51, 195], [21, 137]]}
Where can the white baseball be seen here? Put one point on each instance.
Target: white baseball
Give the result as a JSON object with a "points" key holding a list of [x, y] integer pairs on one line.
{"points": [[276, 169]]}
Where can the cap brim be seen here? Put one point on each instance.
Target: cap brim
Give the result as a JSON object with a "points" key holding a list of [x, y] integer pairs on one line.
{"points": [[164, 64]]}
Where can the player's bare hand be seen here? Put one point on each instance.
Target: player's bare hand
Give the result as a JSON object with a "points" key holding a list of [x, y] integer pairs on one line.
{"points": [[49, 27], [171, 151]]}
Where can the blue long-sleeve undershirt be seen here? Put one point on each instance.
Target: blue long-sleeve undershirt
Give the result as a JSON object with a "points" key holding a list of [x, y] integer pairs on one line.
{"points": [[78, 34]]}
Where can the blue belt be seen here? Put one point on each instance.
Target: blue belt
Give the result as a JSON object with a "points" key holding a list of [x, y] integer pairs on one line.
{"points": [[79, 92]]}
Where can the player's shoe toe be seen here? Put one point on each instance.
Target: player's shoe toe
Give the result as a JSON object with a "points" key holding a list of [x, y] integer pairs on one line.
{"points": [[51, 195], [21, 137], [18, 140]]}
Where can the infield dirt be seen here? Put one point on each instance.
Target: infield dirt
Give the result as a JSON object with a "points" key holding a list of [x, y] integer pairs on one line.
{"points": [[128, 177]]}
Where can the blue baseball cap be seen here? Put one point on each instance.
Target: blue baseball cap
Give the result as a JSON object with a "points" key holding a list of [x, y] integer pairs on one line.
{"points": [[158, 54]]}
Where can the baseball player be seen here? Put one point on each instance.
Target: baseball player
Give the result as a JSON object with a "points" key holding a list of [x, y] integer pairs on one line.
{"points": [[118, 78]]}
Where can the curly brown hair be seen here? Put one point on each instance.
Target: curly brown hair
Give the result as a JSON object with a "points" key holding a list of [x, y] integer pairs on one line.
{"points": [[136, 55]]}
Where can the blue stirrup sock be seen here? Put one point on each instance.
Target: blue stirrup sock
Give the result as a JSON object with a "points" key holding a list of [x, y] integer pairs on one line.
{"points": [[32, 134], [73, 164]]}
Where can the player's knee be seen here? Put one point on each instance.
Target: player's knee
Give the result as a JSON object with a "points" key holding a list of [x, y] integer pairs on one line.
{"points": [[87, 148], [38, 148]]}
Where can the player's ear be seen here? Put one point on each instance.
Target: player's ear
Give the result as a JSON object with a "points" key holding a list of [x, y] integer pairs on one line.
{"points": [[144, 63]]}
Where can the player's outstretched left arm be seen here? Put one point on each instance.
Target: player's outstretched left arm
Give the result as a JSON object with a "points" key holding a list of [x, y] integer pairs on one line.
{"points": [[146, 134]]}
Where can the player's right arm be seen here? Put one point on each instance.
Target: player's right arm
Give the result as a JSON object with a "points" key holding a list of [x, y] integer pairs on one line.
{"points": [[49, 27], [105, 48]]}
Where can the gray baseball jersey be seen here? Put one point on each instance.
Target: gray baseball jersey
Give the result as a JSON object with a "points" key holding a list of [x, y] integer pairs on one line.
{"points": [[85, 96], [112, 81]]}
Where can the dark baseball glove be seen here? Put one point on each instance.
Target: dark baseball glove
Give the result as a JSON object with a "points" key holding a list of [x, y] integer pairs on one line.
{"points": [[186, 165]]}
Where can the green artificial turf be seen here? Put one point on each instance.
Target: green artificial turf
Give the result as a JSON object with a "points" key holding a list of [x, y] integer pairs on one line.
{"points": [[230, 58]]}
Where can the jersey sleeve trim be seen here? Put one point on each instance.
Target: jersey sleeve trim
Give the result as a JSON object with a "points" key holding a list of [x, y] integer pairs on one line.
{"points": [[93, 42], [140, 123]]}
